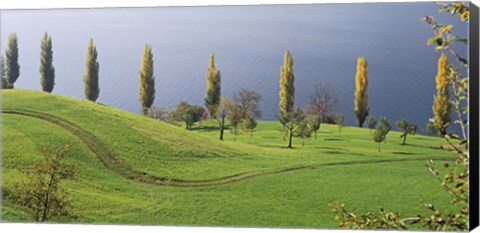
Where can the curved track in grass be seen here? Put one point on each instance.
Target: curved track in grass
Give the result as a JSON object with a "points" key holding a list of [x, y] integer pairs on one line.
{"points": [[115, 164]]}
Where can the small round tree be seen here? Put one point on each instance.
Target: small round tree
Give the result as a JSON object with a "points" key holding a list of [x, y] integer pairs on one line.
{"points": [[371, 122], [407, 128], [381, 130]]}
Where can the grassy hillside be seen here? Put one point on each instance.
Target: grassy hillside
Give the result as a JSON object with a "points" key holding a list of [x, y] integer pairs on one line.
{"points": [[137, 170]]}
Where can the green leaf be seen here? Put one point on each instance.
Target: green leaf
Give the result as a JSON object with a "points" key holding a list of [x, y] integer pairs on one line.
{"points": [[433, 40]]}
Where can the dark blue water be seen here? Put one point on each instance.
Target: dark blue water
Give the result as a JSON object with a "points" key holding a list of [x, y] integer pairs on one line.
{"points": [[249, 41]]}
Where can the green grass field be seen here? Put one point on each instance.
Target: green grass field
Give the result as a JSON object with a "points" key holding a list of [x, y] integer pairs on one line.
{"points": [[135, 170]]}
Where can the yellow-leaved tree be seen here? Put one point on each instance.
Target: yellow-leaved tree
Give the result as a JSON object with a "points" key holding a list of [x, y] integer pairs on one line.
{"points": [[213, 93], [441, 102], [147, 80], [361, 98]]}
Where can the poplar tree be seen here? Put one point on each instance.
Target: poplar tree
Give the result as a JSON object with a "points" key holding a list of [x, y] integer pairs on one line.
{"points": [[90, 79], [287, 88], [2, 71], [287, 97], [147, 80], [47, 71], [361, 98], [12, 68], [213, 93], [441, 105]]}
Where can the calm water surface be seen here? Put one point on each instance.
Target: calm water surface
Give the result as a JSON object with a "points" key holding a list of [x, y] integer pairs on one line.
{"points": [[249, 41]]}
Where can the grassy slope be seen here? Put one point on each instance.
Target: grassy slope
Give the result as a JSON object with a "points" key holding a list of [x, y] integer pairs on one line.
{"points": [[296, 198]]}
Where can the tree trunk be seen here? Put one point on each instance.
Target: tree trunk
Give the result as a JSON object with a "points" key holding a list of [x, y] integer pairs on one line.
{"points": [[290, 137], [222, 126], [404, 138], [46, 203], [303, 142], [315, 135], [379, 147]]}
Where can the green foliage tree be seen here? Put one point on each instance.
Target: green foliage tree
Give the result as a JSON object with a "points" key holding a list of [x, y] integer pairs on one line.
{"points": [[170, 116], [12, 68], [371, 122], [43, 194], [224, 110], [361, 98], [431, 129], [189, 114], [287, 97], [291, 122], [249, 124], [90, 78], [235, 118], [441, 102], [213, 93], [146, 80], [406, 127], [381, 130], [314, 122], [2, 72], [47, 71], [303, 131], [339, 120]]}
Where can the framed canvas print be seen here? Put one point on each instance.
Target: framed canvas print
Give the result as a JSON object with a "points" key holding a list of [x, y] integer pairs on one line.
{"points": [[307, 116]]}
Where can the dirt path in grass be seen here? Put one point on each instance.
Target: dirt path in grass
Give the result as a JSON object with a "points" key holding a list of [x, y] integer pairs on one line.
{"points": [[112, 162]]}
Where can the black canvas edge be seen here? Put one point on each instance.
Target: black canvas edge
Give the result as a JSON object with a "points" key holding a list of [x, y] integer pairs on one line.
{"points": [[473, 117]]}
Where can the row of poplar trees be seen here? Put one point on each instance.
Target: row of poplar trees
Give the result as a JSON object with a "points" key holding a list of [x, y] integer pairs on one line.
{"points": [[10, 70], [289, 115]]}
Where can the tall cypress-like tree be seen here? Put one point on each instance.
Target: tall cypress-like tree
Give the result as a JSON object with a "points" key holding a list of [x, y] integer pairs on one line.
{"points": [[12, 68], [47, 71], [287, 97], [287, 88], [2, 71], [213, 93], [361, 98], [441, 105], [90, 79], [146, 80]]}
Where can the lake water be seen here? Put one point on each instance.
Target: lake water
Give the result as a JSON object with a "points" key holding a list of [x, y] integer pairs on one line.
{"points": [[249, 41]]}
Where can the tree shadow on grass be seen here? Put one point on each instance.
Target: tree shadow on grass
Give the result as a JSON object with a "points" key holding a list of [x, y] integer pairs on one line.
{"points": [[402, 153], [334, 139], [438, 147], [206, 129], [330, 148]]}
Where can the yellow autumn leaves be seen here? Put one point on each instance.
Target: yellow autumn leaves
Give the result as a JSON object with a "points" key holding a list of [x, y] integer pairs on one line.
{"points": [[441, 104]]}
